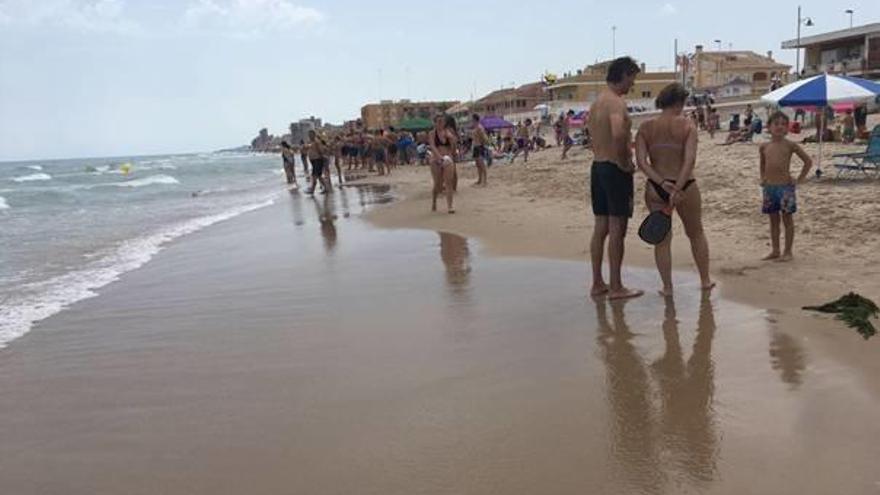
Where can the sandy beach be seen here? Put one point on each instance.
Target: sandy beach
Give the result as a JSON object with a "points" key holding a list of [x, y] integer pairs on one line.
{"points": [[541, 209], [297, 349]]}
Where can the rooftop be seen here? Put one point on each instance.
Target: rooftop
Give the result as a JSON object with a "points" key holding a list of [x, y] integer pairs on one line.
{"points": [[741, 58], [841, 34], [410, 102], [592, 79]]}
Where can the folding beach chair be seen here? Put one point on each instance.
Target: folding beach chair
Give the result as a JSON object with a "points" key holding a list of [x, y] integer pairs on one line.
{"points": [[865, 163]]}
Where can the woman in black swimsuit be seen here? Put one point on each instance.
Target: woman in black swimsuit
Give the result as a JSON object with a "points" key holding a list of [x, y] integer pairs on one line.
{"points": [[443, 143], [666, 151]]}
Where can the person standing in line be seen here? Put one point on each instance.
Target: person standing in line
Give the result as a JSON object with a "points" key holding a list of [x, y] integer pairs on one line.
{"points": [[391, 137], [288, 159], [317, 151], [304, 157], [611, 177], [338, 154], [380, 150]]}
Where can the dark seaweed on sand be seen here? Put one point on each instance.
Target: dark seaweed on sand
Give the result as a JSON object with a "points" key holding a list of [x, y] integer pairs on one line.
{"points": [[854, 310]]}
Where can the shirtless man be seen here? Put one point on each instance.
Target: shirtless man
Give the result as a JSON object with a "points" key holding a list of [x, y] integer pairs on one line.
{"points": [[481, 148], [318, 151], [611, 177]]}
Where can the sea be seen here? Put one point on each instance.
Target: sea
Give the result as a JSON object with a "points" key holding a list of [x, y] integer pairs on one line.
{"points": [[70, 227]]}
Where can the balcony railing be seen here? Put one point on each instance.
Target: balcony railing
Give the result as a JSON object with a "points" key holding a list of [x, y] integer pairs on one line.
{"points": [[849, 65]]}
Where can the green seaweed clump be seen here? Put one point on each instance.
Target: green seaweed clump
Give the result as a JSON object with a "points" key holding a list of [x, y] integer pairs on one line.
{"points": [[854, 310]]}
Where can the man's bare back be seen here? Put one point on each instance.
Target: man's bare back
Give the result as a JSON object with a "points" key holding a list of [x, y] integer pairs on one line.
{"points": [[607, 108]]}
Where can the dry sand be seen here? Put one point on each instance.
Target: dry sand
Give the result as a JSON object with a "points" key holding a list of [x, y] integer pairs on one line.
{"points": [[541, 209]]}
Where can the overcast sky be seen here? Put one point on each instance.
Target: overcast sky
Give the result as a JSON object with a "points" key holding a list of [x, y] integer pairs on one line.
{"points": [[85, 78]]}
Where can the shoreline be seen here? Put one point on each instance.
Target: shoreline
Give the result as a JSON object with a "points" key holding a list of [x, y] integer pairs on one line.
{"points": [[532, 211]]}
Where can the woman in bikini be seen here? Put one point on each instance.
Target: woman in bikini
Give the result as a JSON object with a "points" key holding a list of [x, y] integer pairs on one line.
{"points": [[666, 151], [442, 142]]}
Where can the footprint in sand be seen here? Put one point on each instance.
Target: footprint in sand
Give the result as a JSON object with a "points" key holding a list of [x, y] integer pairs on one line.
{"points": [[739, 271]]}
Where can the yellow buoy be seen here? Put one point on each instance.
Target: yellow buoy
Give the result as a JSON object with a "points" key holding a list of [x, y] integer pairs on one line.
{"points": [[125, 168]]}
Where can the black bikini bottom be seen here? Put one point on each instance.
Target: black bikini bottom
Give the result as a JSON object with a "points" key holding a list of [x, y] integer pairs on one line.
{"points": [[662, 192]]}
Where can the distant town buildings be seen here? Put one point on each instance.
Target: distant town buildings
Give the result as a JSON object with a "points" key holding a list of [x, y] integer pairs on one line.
{"points": [[854, 52], [726, 74], [710, 70], [388, 113], [734, 88], [504, 102], [586, 84], [299, 131]]}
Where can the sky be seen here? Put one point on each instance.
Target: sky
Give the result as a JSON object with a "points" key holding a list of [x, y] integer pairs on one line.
{"points": [[85, 78]]}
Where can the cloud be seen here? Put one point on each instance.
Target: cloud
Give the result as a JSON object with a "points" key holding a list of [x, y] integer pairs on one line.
{"points": [[248, 17], [79, 15], [668, 9]]}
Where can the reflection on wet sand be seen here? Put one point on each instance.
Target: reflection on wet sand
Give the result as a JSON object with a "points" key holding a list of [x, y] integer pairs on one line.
{"points": [[326, 207], [634, 450], [456, 258], [788, 358], [662, 430], [326, 216], [687, 424], [373, 194]]}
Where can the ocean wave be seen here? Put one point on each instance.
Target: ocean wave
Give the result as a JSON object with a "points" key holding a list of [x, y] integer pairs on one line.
{"points": [[161, 166], [19, 313], [146, 181], [32, 177], [3, 204], [34, 167]]}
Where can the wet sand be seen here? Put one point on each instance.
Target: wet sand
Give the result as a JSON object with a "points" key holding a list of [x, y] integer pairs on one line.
{"points": [[296, 349], [542, 209]]}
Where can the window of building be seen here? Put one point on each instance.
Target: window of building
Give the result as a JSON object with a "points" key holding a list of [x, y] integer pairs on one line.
{"points": [[646, 94]]}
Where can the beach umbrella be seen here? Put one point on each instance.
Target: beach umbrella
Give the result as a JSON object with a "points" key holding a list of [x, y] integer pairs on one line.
{"points": [[823, 91], [493, 122]]}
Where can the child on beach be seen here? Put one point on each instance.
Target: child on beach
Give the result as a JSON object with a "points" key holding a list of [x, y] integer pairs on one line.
{"points": [[777, 184]]}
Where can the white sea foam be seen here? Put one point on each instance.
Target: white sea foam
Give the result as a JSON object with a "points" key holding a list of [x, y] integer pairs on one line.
{"points": [[146, 181], [40, 300], [3, 204], [35, 167], [159, 164], [32, 177]]}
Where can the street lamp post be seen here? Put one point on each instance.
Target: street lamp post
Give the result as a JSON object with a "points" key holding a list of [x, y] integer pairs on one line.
{"points": [[613, 42], [806, 21], [850, 12]]}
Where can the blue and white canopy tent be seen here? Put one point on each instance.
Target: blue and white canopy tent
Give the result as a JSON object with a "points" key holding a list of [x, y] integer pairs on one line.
{"points": [[823, 91]]}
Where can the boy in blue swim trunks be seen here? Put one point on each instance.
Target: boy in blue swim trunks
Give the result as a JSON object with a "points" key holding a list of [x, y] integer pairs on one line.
{"points": [[780, 197]]}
